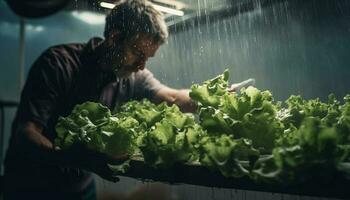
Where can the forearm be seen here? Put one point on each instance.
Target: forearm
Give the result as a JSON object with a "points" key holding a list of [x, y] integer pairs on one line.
{"points": [[179, 97], [184, 101], [39, 149], [32, 139]]}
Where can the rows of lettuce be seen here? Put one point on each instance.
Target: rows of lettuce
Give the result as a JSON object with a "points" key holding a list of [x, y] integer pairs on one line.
{"points": [[238, 134]]}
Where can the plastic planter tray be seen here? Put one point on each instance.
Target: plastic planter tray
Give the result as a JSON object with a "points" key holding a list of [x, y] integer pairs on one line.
{"points": [[196, 174]]}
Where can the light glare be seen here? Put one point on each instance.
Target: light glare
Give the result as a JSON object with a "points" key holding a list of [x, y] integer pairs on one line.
{"points": [[158, 7]]}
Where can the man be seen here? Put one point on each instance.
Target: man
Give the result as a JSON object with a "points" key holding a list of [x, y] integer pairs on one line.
{"points": [[110, 71]]}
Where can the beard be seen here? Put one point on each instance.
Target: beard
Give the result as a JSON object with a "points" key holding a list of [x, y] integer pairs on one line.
{"points": [[113, 60]]}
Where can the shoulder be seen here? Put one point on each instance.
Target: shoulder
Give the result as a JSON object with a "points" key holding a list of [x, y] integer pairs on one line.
{"points": [[143, 74], [64, 52], [64, 58], [145, 79], [57, 64]]}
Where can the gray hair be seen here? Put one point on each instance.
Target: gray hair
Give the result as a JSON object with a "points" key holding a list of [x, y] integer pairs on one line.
{"points": [[131, 17]]}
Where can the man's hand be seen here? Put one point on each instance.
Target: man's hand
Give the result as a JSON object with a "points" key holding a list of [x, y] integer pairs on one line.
{"points": [[95, 162], [236, 87]]}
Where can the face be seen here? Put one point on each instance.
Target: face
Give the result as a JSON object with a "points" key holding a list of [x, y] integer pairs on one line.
{"points": [[134, 55]]}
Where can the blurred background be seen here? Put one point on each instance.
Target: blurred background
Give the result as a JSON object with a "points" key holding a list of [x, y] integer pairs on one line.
{"points": [[288, 46]]}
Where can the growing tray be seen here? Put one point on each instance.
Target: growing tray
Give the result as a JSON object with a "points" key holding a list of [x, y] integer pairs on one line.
{"points": [[195, 174]]}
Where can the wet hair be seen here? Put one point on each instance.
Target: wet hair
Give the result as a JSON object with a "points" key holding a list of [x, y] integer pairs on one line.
{"points": [[131, 17]]}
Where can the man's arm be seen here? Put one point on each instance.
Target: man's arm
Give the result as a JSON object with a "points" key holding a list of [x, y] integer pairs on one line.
{"points": [[174, 96], [40, 149], [182, 99], [32, 137], [160, 92], [35, 145]]}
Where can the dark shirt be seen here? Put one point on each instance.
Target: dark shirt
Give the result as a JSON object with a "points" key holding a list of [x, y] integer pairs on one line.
{"points": [[62, 77]]}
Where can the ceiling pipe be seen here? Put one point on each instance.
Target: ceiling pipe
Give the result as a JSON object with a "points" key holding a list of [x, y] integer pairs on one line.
{"points": [[36, 8]]}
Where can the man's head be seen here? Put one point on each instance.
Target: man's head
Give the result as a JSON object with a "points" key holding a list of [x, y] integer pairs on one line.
{"points": [[134, 31]]}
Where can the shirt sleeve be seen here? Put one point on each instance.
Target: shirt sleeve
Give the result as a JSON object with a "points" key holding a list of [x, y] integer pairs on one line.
{"points": [[40, 94], [146, 85]]}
